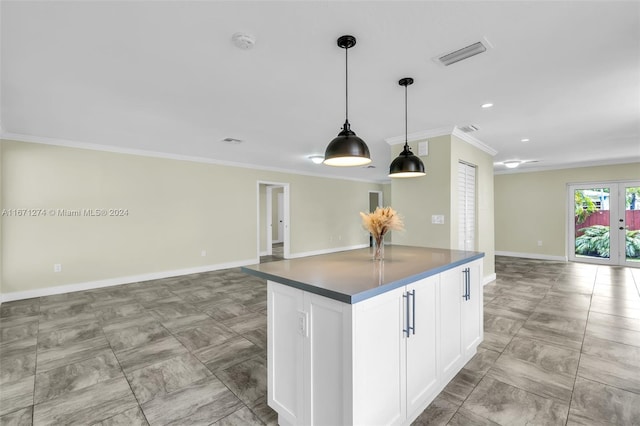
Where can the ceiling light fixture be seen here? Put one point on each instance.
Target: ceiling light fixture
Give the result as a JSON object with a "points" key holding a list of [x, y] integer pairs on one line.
{"points": [[487, 105], [406, 165], [524, 140], [347, 149], [511, 164], [317, 159]]}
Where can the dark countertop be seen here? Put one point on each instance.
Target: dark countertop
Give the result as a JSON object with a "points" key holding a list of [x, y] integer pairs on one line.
{"points": [[352, 276]]}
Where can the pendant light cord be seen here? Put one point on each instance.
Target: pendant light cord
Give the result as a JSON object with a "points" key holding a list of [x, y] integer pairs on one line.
{"points": [[346, 84], [406, 120]]}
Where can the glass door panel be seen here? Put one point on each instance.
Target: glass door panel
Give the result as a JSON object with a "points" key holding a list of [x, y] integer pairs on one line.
{"points": [[591, 239], [629, 226], [604, 223]]}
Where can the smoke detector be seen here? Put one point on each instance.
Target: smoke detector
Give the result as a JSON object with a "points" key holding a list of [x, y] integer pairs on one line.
{"points": [[243, 41]]}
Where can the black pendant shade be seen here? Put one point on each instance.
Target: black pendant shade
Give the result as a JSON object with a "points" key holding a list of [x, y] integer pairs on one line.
{"points": [[347, 149], [406, 164]]}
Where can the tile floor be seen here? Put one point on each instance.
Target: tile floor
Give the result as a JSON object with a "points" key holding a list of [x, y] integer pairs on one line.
{"points": [[562, 346]]}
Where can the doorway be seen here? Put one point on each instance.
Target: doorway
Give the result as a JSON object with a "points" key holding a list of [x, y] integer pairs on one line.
{"points": [[604, 223], [273, 221], [375, 200]]}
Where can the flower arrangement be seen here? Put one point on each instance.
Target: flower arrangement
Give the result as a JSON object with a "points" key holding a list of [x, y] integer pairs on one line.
{"points": [[378, 223]]}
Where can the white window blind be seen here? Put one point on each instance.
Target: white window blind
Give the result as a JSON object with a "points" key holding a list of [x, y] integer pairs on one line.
{"points": [[466, 206]]}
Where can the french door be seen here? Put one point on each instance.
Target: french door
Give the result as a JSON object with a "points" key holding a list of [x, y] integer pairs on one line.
{"points": [[604, 223]]}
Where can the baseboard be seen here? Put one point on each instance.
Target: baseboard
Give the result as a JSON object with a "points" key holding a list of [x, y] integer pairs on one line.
{"points": [[91, 285], [488, 279], [326, 251], [532, 256]]}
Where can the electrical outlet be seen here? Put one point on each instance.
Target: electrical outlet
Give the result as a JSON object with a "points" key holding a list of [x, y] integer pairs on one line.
{"points": [[57, 267], [539, 243], [203, 253]]}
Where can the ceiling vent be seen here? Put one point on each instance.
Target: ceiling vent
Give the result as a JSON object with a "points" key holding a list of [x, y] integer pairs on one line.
{"points": [[462, 54], [468, 128], [231, 141]]}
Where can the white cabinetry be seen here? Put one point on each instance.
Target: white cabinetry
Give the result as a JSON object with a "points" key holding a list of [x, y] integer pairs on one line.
{"points": [[472, 312], [380, 361], [461, 322]]}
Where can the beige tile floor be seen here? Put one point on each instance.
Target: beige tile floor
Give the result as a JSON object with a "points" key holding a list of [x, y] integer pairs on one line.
{"points": [[562, 346]]}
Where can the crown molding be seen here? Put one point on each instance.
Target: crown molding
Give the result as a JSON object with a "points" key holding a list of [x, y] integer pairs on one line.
{"points": [[566, 166], [16, 137], [421, 135], [473, 141], [442, 131]]}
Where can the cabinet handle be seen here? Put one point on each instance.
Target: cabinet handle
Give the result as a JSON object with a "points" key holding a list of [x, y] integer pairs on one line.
{"points": [[406, 305], [464, 278], [413, 310], [467, 283]]}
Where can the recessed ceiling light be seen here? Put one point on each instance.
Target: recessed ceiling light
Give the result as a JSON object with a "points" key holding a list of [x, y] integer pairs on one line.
{"points": [[487, 105], [524, 140], [317, 159]]}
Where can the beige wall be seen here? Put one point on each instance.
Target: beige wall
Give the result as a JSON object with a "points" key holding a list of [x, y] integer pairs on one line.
{"points": [[176, 209], [532, 207], [417, 199]]}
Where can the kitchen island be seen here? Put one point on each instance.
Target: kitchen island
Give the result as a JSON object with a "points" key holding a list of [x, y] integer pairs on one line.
{"points": [[356, 341]]}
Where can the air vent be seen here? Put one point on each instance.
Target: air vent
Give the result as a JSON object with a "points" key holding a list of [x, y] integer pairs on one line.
{"points": [[232, 141], [462, 54], [468, 128]]}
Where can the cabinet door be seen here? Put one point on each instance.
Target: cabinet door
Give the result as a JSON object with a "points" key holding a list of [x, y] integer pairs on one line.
{"points": [[422, 349], [472, 322], [379, 350], [286, 326], [327, 379], [451, 350]]}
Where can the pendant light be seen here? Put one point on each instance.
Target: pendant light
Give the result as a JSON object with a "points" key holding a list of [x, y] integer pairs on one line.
{"points": [[406, 165], [347, 149]]}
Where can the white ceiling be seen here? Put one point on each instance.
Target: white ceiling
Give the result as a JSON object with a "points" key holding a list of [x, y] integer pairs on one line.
{"points": [[164, 76]]}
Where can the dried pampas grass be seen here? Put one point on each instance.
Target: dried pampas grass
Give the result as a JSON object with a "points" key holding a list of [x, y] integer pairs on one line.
{"points": [[382, 220]]}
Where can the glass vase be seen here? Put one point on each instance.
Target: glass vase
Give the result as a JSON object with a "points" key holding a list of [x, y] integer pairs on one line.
{"points": [[378, 248]]}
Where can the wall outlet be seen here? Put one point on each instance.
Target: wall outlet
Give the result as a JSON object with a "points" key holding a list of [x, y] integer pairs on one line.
{"points": [[203, 253], [437, 219], [57, 267], [539, 243]]}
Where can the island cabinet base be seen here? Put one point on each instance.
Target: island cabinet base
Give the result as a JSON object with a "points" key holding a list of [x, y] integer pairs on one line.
{"points": [[380, 361]]}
